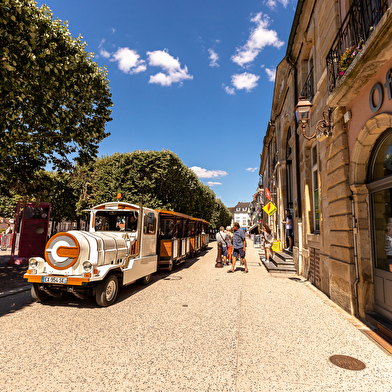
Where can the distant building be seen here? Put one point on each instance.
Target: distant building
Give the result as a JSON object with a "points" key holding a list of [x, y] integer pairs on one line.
{"points": [[241, 214], [256, 210]]}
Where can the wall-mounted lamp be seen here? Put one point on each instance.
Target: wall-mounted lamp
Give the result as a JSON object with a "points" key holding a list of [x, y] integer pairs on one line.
{"points": [[323, 127], [260, 181]]}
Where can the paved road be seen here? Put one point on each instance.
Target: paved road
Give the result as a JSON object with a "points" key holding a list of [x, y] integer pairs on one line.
{"points": [[197, 329]]}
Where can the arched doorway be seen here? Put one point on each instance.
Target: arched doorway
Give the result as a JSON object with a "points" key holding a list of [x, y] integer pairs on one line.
{"points": [[380, 189], [370, 142]]}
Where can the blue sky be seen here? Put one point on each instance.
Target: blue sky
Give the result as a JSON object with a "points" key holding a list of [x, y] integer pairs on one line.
{"points": [[192, 76]]}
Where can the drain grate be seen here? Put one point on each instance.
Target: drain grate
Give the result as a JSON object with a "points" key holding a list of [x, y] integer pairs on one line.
{"points": [[346, 362]]}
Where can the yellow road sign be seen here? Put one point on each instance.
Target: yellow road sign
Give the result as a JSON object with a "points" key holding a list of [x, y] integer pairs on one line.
{"points": [[270, 208]]}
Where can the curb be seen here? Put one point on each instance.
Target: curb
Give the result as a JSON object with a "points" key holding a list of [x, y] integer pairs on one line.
{"points": [[15, 291]]}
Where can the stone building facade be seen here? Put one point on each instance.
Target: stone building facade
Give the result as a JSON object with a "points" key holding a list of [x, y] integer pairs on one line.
{"points": [[339, 56]]}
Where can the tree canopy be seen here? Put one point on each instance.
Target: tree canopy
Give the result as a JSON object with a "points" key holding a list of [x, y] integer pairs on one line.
{"points": [[54, 100], [160, 177]]}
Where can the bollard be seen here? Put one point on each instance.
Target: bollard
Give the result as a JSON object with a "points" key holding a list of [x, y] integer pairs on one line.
{"points": [[218, 263]]}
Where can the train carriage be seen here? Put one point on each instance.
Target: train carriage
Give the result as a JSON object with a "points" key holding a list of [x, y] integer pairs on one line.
{"points": [[124, 243], [178, 234]]}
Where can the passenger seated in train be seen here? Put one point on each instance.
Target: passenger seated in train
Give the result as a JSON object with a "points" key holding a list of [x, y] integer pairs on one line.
{"points": [[114, 221], [131, 224], [167, 229]]}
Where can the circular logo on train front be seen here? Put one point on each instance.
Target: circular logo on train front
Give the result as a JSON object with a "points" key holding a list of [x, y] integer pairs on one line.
{"points": [[62, 251]]}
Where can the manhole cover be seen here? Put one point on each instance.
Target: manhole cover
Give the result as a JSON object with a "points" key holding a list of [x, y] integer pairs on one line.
{"points": [[347, 362]]}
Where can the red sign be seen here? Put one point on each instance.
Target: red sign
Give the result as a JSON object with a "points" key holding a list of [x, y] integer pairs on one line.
{"points": [[33, 231], [267, 193]]}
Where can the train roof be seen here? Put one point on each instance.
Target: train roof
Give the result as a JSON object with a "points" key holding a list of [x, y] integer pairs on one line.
{"points": [[180, 215], [118, 206]]}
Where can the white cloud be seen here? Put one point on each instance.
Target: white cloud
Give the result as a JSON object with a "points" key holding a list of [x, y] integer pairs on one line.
{"points": [[213, 58], [273, 3], [129, 61], [270, 4], [210, 183], [245, 81], [251, 169], [271, 72], [104, 53], [229, 90], [259, 38], [204, 173], [161, 78], [171, 66]]}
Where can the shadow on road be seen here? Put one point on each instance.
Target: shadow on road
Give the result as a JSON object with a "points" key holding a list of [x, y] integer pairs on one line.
{"points": [[14, 303], [19, 301]]}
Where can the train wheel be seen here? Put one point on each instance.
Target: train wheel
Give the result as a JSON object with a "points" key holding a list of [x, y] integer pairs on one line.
{"points": [[107, 290], [171, 266], [39, 295], [147, 279]]}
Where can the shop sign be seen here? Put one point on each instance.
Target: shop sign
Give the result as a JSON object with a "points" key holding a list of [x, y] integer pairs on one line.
{"points": [[380, 92], [270, 208], [268, 193]]}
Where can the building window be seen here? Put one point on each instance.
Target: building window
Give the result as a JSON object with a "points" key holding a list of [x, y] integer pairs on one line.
{"points": [[315, 191]]}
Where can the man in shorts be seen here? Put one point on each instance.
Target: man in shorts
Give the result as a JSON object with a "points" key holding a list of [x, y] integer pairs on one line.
{"points": [[222, 237], [239, 246]]}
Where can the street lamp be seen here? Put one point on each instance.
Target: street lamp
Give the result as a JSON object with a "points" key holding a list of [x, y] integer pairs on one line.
{"points": [[323, 127]]}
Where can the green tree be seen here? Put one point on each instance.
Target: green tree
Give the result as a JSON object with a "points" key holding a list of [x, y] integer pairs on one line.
{"points": [[54, 100], [160, 177], [8, 204], [53, 187], [221, 215]]}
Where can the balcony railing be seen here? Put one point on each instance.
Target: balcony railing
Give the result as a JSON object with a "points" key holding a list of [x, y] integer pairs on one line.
{"points": [[308, 88], [356, 28]]}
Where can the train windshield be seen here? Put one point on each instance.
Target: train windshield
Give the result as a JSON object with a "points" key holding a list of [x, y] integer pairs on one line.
{"points": [[116, 221]]}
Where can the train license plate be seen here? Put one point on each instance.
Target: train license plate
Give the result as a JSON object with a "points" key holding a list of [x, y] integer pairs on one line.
{"points": [[54, 279]]}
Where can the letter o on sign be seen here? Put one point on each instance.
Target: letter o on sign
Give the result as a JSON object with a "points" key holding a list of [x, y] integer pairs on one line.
{"points": [[377, 87]]}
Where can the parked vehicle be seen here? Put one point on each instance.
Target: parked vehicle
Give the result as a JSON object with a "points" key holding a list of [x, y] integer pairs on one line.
{"points": [[125, 243]]}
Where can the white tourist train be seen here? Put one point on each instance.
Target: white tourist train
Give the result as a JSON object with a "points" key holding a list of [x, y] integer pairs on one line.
{"points": [[125, 243]]}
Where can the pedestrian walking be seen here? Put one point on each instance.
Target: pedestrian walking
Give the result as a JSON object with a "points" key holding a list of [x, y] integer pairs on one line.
{"points": [[268, 241], [222, 238], [229, 232], [8, 230], [239, 246], [289, 229]]}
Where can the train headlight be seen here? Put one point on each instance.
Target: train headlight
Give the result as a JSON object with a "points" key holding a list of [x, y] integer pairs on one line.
{"points": [[33, 264], [87, 266]]}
